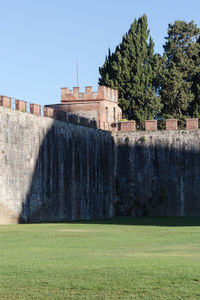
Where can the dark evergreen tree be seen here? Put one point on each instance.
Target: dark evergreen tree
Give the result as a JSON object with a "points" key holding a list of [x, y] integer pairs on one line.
{"points": [[130, 70], [194, 108], [181, 51]]}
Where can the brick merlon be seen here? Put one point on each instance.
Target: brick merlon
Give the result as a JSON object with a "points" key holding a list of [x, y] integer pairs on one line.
{"points": [[103, 93]]}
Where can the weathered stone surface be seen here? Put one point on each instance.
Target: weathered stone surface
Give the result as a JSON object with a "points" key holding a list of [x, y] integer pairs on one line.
{"points": [[54, 171], [158, 173], [51, 170]]}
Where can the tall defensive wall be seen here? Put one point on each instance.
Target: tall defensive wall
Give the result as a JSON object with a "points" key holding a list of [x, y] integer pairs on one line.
{"points": [[55, 171]]}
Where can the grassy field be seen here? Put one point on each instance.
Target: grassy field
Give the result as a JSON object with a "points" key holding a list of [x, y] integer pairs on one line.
{"points": [[121, 258]]}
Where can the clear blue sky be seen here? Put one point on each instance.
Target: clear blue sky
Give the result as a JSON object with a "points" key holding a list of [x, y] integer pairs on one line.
{"points": [[40, 40]]}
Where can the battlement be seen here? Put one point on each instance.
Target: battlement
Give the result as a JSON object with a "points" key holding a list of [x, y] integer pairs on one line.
{"points": [[103, 93]]}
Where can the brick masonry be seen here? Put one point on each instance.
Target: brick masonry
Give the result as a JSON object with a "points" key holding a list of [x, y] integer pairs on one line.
{"points": [[101, 106], [192, 124], [103, 93], [171, 124], [5, 101], [151, 125], [35, 109], [20, 105], [48, 112], [127, 126]]}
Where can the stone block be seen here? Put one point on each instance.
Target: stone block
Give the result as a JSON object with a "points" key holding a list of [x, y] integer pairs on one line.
{"points": [[102, 92], [192, 124], [151, 125], [171, 124], [127, 126], [48, 112], [5, 101], [20, 105], [76, 91], [35, 109], [88, 92]]}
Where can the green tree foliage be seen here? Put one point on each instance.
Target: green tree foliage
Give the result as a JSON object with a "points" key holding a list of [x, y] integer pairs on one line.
{"points": [[194, 108], [131, 70], [179, 81]]}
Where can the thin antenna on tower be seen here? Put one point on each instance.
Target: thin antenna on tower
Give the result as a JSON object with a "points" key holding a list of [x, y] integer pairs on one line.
{"points": [[77, 73]]}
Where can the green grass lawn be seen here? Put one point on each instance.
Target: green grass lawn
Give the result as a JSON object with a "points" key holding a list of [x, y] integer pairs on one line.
{"points": [[121, 258]]}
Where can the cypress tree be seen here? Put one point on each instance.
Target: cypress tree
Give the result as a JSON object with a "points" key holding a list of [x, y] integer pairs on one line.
{"points": [[194, 107], [130, 70], [182, 68]]}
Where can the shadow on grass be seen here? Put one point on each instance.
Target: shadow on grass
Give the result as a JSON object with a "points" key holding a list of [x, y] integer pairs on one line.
{"points": [[144, 221]]}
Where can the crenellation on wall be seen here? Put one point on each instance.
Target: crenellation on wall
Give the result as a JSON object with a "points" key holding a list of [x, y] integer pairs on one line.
{"points": [[88, 92], [101, 106], [48, 112], [53, 170], [35, 109], [192, 124], [151, 125], [5, 101], [103, 93], [171, 124], [93, 109], [127, 126], [20, 105]]}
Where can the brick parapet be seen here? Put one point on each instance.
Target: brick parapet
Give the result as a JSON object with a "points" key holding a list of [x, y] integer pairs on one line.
{"points": [[171, 124], [127, 126], [20, 105], [48, 112], [103, 93], [151, 125], [5, 101], [192, 124], [35, 109]]}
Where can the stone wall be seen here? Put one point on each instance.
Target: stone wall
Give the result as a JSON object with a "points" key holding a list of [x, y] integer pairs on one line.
{"points": [[55, 171], [158, 173], [52, 170]]}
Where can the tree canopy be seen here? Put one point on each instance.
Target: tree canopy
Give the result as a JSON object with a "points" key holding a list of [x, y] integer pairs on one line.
{"points": [[130, 70], [181, 51], [153, 86]]}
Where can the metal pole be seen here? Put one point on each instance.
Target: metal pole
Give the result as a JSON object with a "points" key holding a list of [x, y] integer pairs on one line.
{"points": [[77, 73]]}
